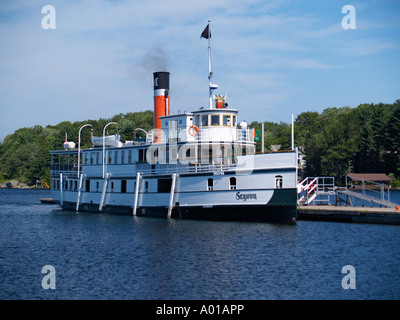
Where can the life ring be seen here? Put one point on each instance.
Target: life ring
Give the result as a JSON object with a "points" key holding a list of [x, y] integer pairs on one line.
{"points": [[193, 130]]}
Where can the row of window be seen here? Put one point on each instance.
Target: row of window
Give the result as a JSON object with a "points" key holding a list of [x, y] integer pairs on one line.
{"points": [[89, 185], [226, 120], [206, 120], [206, 155], [114, 156], [163, 185]]}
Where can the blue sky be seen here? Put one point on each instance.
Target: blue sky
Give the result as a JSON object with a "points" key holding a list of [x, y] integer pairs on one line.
{"points": [[272, 58]]}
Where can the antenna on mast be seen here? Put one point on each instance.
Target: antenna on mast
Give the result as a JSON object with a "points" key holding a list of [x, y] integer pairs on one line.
{"points": [[207, 35]]}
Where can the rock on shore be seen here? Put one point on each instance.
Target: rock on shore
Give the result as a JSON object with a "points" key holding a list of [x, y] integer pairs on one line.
{"points": [[14, 184]]}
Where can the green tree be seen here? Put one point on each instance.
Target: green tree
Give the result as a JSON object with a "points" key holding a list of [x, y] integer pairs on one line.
{"points": [[392, 145]]}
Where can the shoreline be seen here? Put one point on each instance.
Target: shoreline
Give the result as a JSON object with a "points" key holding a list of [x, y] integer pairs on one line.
{"points": [[16, 184]]}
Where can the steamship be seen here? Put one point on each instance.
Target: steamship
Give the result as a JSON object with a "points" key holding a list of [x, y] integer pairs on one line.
{"points": [[192, 165]]}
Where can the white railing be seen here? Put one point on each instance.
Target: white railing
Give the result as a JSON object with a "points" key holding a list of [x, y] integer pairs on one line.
{"points": [[309, 187], [245, 135], [188, 169], [203, 134], [56, 169], [384, 190]]}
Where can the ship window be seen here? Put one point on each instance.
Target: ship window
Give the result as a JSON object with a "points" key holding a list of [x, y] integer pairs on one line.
{"points": [[215, 120], [123, 156], [164, 185], [226, 120], [130, 156], [97, 157], [234, 121], [141, 155], [97, 185], [109, 156], [115, 157], [146, 186], [210, 184], [232, 183], [204, 120], [278, 182], [91, 158], [87, 185], [112, 185], [123, 186]]}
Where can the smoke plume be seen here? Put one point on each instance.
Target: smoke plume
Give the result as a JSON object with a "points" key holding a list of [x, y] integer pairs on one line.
{"points": [[155, 60]]}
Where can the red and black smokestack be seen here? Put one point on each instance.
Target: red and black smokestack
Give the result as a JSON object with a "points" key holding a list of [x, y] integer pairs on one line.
{"points": [[161, 100]]}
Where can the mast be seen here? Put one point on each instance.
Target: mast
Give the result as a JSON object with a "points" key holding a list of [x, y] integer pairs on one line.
{"points": [[207, 34], [209, 64]]}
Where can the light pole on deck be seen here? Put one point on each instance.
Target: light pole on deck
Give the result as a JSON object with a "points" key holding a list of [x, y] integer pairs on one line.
{"points": [[104, 142], [79, 145]]}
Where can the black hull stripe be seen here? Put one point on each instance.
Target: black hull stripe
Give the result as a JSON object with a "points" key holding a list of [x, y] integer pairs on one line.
{"points": [[265, 213]]}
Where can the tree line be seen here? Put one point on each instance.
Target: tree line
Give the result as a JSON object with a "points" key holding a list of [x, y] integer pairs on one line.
{"points": [[337, 141], [24, 155]]}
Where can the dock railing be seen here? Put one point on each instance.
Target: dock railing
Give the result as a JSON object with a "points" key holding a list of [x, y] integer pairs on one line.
{"points": [[320, 189], [306, 191], [368, 191], [311, 187], [383, 193]]}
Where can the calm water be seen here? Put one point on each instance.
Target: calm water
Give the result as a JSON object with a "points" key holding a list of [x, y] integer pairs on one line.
{"points": [[99, 256]]}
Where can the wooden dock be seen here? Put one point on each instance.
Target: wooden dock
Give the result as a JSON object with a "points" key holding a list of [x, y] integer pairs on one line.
{"points": [[376, 215]]}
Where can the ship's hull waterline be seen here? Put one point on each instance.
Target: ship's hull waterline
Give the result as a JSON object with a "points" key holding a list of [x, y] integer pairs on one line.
{"points": [[282, 208]]}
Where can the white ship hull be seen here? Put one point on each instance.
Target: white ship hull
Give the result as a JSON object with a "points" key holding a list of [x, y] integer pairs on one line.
{"points": [[225, 192]]}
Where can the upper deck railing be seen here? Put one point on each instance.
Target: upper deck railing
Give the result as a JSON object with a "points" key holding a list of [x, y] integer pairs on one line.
{"points": [[207, 134], [68, 169]]}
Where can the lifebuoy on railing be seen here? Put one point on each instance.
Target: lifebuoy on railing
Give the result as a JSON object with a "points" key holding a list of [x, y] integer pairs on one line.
{"points": [[193, 130]]}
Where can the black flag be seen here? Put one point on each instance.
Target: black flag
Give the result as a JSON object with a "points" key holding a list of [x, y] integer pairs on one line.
{"points": [[205, 34]]}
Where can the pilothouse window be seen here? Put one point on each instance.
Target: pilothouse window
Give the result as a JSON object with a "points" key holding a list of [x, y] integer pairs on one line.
{"points": [[204, 120], [226, 120], [215, 120]]}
